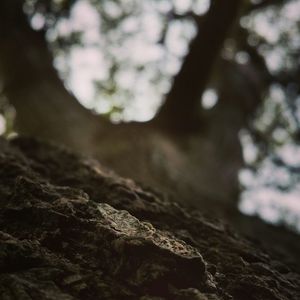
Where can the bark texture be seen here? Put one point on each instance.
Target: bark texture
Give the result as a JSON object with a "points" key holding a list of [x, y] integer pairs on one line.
{"points": [[72, 230]]}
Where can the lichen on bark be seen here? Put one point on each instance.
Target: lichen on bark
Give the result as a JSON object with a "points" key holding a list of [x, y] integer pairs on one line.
{"points": [[70, 229]]}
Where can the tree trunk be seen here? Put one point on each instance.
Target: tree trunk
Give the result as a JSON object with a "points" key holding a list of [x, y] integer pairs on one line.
{"points": [[70, 230], [47, 110], [44, 107], [199, 169]]}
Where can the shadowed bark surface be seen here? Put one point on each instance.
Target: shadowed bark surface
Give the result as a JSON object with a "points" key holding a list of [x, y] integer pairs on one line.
{"points": [[72, 230]]}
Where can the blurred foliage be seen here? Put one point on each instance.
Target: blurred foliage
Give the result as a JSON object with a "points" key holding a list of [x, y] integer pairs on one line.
{"points": [[127, 36], [274, 133]]}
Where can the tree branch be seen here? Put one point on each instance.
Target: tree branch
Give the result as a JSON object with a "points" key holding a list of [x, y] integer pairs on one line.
{"points": [[180, 110]]}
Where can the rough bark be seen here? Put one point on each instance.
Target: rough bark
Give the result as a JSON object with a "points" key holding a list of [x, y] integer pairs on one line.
{"points": [[71, 230]]}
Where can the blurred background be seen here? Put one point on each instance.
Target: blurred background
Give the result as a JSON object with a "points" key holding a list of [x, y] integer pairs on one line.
{"points": [[120, 59]]}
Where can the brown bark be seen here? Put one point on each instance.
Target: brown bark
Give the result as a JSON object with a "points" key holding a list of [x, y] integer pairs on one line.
{"points": [[71, 230]]}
